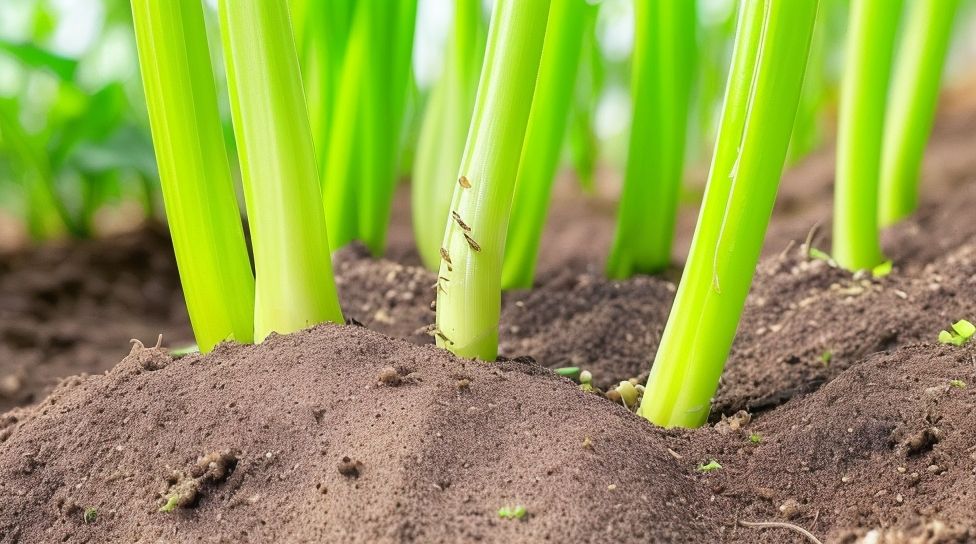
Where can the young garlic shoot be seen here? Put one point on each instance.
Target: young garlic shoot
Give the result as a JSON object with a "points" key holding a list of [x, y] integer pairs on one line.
{"points": [[469, 281], [663, 68], [912, 102], [363, 147], [294, 286], [442, 132], [543, 139], [198, 191], [864, 90], [768, 62]]}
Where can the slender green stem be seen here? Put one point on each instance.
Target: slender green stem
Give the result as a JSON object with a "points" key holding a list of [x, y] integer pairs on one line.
{"points": [[913, 99], [771, 48], [543, 139], [198, 191], [864, 91], [295, 287], [664, 59], [583, 145], [468, 292], [387, 75], [443, 130]]}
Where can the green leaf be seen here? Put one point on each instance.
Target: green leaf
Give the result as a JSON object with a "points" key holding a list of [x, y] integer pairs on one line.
{"points": [[709, 466], [512, 512], [882, 269], [964, 328], [957, 383], [35, 57]]}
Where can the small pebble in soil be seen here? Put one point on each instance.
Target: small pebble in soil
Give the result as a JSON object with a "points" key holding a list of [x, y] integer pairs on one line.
{"points": [[790, 508], [350, 468], [389, 376]]}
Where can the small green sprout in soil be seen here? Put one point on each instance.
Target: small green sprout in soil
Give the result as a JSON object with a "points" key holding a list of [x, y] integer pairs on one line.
{"points": [[882, 269], [171, 503], [819, 255], [586, 377], [512, 512], [90, 516], [961, 332], [755, 438], [571, 372], [710, 466], [957, 383], [825, 357]]}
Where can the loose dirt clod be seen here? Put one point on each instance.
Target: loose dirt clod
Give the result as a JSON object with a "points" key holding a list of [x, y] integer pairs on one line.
{"points": [[349, 467], [389, 376], [185, 488]]}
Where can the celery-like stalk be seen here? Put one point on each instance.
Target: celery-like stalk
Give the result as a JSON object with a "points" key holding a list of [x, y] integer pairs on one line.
{"points": [[913, 98], [468, 292], [294, 284], [543, 139], [664, 60], [770, 54], [864, 91], [198, 192], [444, 127], [583, 145]]}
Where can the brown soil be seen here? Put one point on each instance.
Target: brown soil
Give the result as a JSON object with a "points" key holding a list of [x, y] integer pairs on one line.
{"points": [[344, 434]]}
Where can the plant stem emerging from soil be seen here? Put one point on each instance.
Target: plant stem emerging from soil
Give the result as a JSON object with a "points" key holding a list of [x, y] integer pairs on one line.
{"points": [[543, 139], [468, 290], [913, 99], [864, 90], [442, 133], [295, 287], [771, 47], [664, 60], [201, 206]]}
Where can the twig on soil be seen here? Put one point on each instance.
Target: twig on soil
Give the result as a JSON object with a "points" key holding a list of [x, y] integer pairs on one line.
{"points": [[781, 525]]}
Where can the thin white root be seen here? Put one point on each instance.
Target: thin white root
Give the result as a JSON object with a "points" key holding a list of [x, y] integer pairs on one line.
{"points": [[781, 525]]}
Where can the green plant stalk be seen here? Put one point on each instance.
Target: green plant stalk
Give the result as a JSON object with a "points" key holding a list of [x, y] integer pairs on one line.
{"points": [[198, 191], [387, 73], [807, 133], [468, 289], [294, 284], [544, 135], [912, 102], [864, 91], [664, 60], [771, 48], [322, 30], [443, 129], [583, 145]]}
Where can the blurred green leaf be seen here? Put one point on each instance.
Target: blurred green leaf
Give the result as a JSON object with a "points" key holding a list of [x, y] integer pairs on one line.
{"points": [[36, 57]]}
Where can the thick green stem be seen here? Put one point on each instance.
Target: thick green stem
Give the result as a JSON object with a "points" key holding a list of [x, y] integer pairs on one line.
{"points": [[771, 48], [864, 91], [198, 191], [468, 292], [583, 145], [913, 99], [295, 287], [664, 59], [543, 139], [444, 128]]}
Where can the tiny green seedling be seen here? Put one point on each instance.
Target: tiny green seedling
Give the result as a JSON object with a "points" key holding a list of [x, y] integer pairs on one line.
{"points": [[882, 269], [755, 438], [184, 351], [171, 502], [820, 255], [961, 332], [957, 383], [710, 466], [571, 372], [512, 512], [825, 357], [90, 516]]}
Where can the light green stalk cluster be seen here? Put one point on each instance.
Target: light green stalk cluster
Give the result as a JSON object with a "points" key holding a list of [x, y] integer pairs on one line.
{"points": [[864, 91], [912, 102], [362, 150], [198, 192], [771, 48], [443, 130], [294, 285], [663, 68], [468, 286], [584, 147], [544, 133]]}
